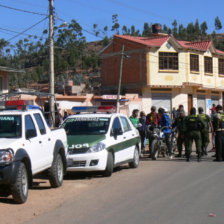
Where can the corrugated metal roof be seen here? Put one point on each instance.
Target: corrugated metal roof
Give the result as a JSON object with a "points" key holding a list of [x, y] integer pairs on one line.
{"points": [[7, 69]]}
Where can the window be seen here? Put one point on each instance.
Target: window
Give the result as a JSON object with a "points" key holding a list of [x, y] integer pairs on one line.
{"points": [[29, 126], [40, 124], [208, 65], [125, 124], [86, 125], [116, 125], [221, 66], [10, 126], [194, 62], [168, 61]]}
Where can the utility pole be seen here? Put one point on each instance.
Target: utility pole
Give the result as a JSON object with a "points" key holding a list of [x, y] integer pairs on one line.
{"points": [[120, 78], [51, 59]]}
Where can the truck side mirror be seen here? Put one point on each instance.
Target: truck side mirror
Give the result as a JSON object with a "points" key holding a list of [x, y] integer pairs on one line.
{"points": [[30, 133]]}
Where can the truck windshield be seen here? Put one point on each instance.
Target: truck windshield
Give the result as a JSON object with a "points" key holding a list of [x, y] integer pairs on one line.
{"points": [[10, 126], [86, 125]]}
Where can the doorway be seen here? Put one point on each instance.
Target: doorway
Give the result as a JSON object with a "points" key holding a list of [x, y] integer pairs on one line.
{"points": [[190, 102]]}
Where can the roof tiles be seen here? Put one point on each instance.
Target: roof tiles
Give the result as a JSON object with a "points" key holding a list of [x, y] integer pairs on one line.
{"points": [[159, 40]]}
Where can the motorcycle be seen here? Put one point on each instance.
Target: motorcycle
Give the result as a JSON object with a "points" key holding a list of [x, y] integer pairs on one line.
{"points": [[159, 147]]}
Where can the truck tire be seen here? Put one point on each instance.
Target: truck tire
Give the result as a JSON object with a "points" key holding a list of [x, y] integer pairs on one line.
{"points": [[20, 188], [155, 149], [135, 162], [56, 172], [110, 165]]}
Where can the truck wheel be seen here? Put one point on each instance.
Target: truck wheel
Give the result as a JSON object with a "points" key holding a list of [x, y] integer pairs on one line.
{"points": [[110, 165], [155, 149], [135, 162], [20, 188], [56, 172]]}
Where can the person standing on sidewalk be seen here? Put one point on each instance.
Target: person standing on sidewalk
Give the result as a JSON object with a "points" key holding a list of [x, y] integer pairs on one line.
{"points": [[142, 129], [179, 123], [194, 125], [205, 131], [134, 118], [219, 133], [165, 122]]}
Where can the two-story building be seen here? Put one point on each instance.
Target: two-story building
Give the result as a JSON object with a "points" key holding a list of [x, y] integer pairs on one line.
{"points": [[165, 71]]}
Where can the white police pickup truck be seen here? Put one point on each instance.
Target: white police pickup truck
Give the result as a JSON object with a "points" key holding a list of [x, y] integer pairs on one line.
{"points": [[28, 147], [100, 141]]}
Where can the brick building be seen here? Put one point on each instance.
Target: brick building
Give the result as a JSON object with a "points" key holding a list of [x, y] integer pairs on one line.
{"points": [[165, 71]]}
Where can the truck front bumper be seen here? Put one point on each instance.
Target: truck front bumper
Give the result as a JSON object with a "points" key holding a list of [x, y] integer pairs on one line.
{"points": [[8, 173]]}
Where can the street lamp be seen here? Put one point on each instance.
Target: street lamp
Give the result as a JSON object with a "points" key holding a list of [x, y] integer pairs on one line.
{"points": [[120, 78]]}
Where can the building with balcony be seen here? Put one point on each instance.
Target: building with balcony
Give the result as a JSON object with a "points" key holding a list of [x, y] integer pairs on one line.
{"points": [[165, 71]]}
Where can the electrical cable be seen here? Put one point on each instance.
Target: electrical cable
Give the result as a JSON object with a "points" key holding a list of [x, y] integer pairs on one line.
{"points": [[27, 29], [22, 10], [12, 31]]}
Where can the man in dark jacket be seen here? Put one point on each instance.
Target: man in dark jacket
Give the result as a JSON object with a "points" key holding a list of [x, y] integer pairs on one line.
{"points": [[179, 123]]}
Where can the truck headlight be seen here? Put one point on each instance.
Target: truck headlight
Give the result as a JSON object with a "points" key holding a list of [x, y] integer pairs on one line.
{"points": [[6, 156], [97, 148]]}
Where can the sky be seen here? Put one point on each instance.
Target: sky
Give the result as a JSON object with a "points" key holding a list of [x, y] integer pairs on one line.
{"points": [[89, 12]]}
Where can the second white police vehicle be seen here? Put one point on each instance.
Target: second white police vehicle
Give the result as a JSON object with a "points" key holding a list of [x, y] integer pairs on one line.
{"points": [[99, 140]]}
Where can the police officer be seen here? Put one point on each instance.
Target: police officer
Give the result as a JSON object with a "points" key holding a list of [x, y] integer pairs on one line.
{"points": [[219, 133], [205, 131], [194, 125], [179, 123]]}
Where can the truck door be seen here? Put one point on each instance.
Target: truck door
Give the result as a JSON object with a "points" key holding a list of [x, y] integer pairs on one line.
{"points": [[47, 142], [33, 144]]}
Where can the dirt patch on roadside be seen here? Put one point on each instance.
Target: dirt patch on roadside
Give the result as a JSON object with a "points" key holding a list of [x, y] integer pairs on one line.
{"points": [[42, 198]]}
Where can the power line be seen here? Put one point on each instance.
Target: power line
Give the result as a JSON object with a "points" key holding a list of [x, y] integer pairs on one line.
{"points": [[27, 29], [12, 31], [22, 10]]}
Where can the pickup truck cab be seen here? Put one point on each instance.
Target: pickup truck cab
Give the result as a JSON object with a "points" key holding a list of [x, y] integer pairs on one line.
{"points": [[100, 142], [28, 147]]}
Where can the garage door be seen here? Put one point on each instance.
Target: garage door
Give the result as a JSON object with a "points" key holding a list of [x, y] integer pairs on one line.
{"points": [[201, 102], [161, 100], [215, 100]]}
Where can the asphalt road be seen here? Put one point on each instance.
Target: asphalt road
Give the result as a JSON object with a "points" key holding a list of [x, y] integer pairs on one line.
{"points": [[163, 191]]}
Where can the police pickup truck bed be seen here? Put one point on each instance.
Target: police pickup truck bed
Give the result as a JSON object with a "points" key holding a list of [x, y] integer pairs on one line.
{"points": [[27, 147]]}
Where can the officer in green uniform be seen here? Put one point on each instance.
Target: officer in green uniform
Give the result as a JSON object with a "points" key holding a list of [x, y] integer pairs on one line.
{"points": [[179, 123], [194, 125], [205, 131], [219, 133]]}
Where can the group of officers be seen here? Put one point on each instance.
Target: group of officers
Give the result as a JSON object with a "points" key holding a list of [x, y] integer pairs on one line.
{"points": [[192, 128]]}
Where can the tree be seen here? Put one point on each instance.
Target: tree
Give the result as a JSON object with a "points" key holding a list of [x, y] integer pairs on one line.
{"points": [[218, 24], [204, 28], [182, 34], [146, 30], [116, 25], [125, 30], [190, 31], [174, 30], [197, 31]]}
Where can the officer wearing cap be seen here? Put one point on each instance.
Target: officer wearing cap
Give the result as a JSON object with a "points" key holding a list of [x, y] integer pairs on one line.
{"points": [[205, 131], [179, 123], [219, 133], [194, 125]]}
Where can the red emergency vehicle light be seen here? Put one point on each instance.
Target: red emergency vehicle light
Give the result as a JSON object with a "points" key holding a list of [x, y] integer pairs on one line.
{"points": [[15, 104], [107, 109]]}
